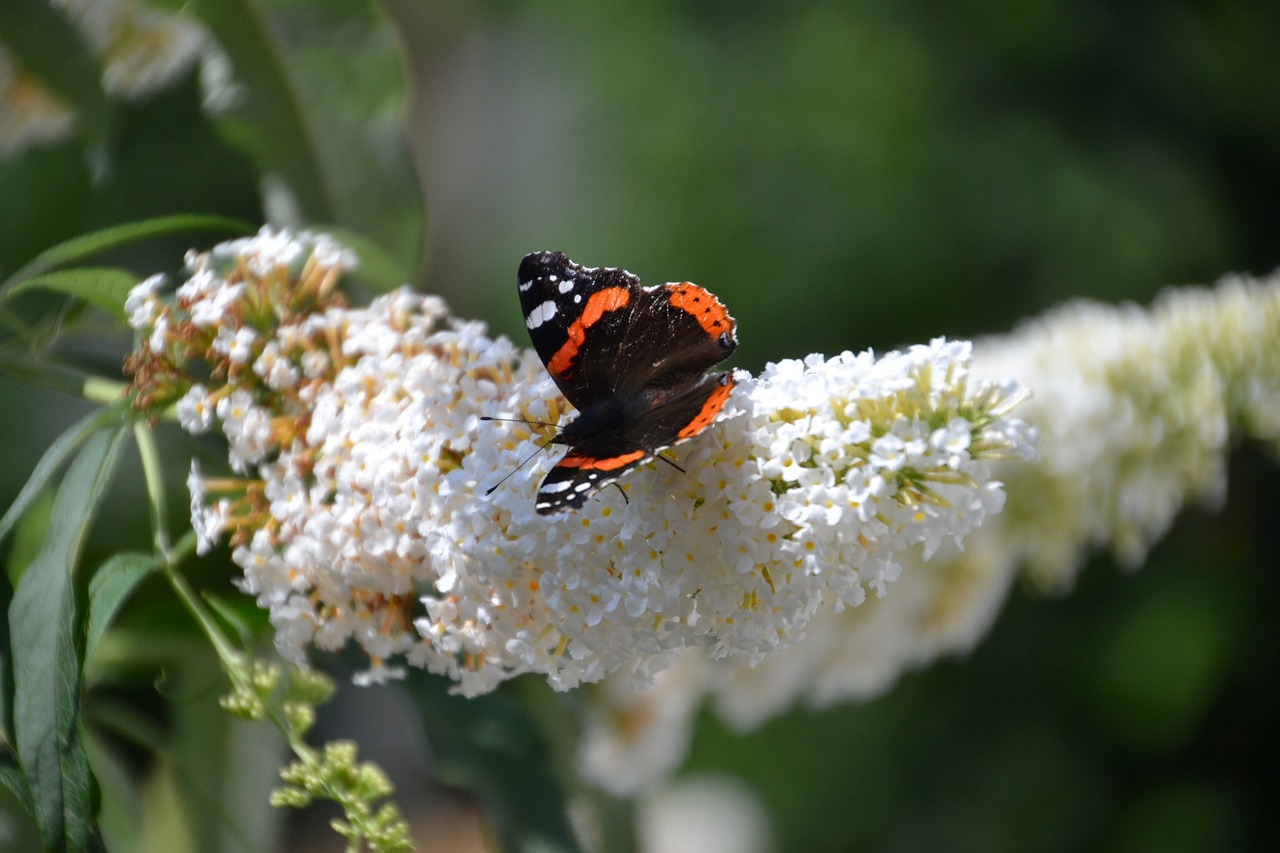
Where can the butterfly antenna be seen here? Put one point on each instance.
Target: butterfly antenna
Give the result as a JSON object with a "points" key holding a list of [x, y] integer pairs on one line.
{"points": [[511, 473], [672, 464], [520, 421]]}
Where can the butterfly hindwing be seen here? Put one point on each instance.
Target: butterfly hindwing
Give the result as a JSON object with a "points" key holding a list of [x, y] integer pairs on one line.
{"points": [[599, 457], [577, 475]]}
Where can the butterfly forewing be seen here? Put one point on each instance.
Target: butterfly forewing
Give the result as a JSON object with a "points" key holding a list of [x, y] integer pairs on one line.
{"points": [[677, 333], [568, 308]]}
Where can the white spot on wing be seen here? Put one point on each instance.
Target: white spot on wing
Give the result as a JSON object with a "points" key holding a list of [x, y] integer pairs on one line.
{"points": [[556, 487], [540, 314], [566, 286]]}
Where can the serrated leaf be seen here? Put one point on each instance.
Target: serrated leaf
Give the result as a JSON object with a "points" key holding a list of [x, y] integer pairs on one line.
{"points": [[44, 637], [87, 245], [102, 287], [323, 94], [58, 452], [111, 586]]}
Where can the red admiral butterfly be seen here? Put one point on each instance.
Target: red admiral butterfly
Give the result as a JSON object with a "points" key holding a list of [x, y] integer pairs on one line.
{"points": [[632, 360]]}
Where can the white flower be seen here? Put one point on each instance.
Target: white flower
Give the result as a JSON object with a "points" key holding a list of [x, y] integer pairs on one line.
{"points": [[142, 306], [208, 520], [275, 368], [212, 309], [241, 349], [889, 452], [236, 344], [247, 427], [159, 337], [639, 572], [195, 414], [953, 441]]}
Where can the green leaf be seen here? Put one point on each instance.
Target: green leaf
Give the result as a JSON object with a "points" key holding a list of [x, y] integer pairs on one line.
{"points": [[228, 614], [111, 586], [102, 287], [491, 746], [323, 97], [12, 779], [49, 47], [52, 460], [45, 639], [238, 765], [29, 536], [87, 245], [121, 813], [35, 368]]}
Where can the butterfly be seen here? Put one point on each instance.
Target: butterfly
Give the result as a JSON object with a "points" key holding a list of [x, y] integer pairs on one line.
{"points": [[632, 360]]}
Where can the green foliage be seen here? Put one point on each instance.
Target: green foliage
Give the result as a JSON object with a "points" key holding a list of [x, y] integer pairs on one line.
{"points": [[62, 624], [45, 628], [103, 288], [490, 745], [322, 91], [112, 584], [86, 246], [52, 460], [333, 774]]}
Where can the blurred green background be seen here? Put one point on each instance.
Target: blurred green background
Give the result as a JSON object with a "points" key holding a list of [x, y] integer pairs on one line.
{"points": [[842, 175], [848, 175]]}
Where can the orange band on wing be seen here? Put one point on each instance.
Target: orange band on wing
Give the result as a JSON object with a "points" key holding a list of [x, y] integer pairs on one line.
{"points": [[598, 304], [704, 307], [609, 464], [709, 410]]}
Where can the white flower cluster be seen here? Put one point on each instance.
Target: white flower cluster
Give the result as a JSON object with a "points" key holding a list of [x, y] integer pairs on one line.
{"points": [[141, 48], [1136, 409], [375, 522]]}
